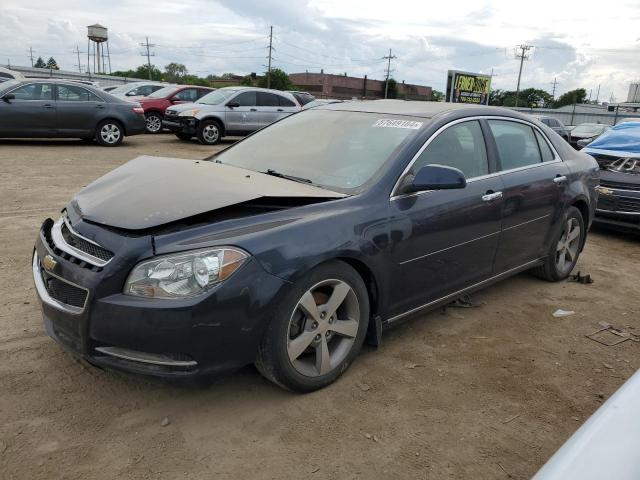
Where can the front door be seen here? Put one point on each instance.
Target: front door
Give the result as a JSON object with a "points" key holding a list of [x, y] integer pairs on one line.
{"points": [[443, 241], [535, 181], [78, 110], [243, 118], [31, 113]]}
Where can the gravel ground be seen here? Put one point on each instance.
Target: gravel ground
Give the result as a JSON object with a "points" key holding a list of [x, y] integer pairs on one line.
{"points": [[487, 392]]}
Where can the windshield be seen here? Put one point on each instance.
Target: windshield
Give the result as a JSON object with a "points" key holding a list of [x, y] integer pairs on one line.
{"points": [[163, 92], [588, 129], [123, 88], [217, 97], [334, 149], [8, 84]]}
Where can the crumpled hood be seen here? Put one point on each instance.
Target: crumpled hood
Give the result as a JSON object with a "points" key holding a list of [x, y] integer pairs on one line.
{"points": [[151, 191]]}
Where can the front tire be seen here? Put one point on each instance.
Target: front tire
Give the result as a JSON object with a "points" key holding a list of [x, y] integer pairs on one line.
{"points": [[109, 133], [209, 132], [317, 330], [153, 122], [565, 247]]}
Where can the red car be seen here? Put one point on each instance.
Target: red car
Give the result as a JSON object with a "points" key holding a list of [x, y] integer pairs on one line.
{"points": [[155, 104]]}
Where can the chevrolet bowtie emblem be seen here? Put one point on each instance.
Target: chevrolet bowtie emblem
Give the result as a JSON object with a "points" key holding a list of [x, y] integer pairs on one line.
{"points": [[49, 263]]}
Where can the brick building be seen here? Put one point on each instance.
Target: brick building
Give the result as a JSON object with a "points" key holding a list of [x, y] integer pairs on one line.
{"points": [[324, 85]]}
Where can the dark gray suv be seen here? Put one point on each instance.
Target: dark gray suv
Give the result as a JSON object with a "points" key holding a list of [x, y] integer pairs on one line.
{"points": [[233, 111], [53, 108]]}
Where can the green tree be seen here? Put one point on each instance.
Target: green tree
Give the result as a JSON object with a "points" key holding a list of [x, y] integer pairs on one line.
{"points": [[529, 97], [279, 80], [246, 81], [52, 64], [436, 96], [143, 72], [392, 90], [175, 72], [578, 95], [40, 63]]}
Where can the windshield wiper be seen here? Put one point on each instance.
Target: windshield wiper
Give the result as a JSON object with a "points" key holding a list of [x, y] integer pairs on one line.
{"points": [[275, 173]]}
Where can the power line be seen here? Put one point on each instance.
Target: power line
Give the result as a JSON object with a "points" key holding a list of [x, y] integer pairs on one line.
{"points": [[522, 56], [386, 83], [270, 54], [148, 54]]}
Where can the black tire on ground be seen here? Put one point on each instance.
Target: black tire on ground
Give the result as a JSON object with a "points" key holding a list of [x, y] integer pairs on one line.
{"points": [[291, 327], [153, 122], [109, 133], [184, 136], [567, 242], [209, 132]]}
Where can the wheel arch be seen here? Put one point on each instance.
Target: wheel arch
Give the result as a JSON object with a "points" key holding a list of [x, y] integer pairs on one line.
{"points": [[581, 204], [215, 118], [112, 119]]}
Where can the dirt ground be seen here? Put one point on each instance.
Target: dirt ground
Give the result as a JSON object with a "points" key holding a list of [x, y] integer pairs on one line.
{"points": [[482, 393]]}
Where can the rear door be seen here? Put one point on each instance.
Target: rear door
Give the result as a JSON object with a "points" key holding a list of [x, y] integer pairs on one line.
{"points": [[445, 240], [31, 113], [535, 183], [245, 117], [78, 110], [269, 107]]}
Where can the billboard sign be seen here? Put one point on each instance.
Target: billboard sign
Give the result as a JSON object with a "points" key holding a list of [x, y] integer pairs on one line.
{"points": [[466, 87]]}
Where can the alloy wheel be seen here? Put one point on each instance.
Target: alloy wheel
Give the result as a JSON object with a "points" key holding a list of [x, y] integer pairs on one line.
{"points": [[110, 133], [323, 328], [154, 124], [210, 133], [568, 246]]}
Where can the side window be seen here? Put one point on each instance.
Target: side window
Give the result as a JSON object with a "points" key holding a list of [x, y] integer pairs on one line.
{"points": [[547, 122], [34, 91], [285, 102], [461, 146], [153, 88], [187, 95], [202, 92], [246, 99], [73, 93], [517, 145], [267, 100], [545, 149]]}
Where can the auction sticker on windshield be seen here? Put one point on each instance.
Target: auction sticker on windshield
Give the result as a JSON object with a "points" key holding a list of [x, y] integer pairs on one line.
{"points": [[388, 123]]}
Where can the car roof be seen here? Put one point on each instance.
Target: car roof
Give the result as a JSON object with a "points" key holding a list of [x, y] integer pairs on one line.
{"points": [[417, 108]]}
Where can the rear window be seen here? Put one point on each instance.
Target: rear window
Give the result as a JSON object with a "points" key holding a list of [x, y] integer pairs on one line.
{"points": [[304, 98]]}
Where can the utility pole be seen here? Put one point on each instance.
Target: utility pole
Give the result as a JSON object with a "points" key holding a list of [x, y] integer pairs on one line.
{"points": [[555, 84], [148, 54], [522, 56], [270, 51], [598, 94], [78, 54], [31, 55], [386, 83]]}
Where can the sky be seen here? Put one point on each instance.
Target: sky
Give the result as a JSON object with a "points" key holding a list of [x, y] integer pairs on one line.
{"points": [[576, 44]]}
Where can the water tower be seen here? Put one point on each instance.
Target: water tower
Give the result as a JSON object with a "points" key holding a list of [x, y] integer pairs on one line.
{"points": [[98, 38]]}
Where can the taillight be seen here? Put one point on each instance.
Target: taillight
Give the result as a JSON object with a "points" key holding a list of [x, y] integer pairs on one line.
{"points": [[138, 110]]}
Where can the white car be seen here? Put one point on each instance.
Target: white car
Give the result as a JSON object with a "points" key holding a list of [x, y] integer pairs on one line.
{"points": [[6, 74]]}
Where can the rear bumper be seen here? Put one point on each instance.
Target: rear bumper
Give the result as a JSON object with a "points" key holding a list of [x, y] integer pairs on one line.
{"points": [[178, 338], [135, 126]]}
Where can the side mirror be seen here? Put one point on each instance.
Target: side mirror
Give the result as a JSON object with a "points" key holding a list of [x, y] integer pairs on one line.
{"points": [[434, 177], [233, 104], [132, 93], [8, 96]]}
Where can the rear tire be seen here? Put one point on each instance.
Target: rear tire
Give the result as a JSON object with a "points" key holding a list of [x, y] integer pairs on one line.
{"points": [[109, 133], [209, 132], [317, 330], [184, 136], [153, 122], [565, 248]]}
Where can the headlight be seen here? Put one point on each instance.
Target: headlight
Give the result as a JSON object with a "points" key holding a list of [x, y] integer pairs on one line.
{"points": [[189, 113], [183, 274]]}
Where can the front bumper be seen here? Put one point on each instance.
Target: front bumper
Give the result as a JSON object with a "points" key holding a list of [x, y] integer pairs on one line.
{"points": [[177, 124], [217, 331]]}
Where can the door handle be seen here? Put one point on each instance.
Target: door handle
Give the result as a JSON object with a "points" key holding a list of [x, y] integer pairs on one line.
{"points": [[280, 110], [48, 105], [99, 106], [491, 196], [253, 109], [560, 179]]}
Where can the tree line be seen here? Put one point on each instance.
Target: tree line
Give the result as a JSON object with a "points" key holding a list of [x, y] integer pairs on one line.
{"points": [[50, 64], [536, 98]]}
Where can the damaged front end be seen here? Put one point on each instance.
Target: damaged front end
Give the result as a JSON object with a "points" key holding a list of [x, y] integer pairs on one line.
{"points": [[619, 199]]}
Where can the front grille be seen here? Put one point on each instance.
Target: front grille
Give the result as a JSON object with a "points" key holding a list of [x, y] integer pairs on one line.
{"points": [[46, 233], [82, 244], [619, 204], [620, 185], [63, 291], [604, 160]]}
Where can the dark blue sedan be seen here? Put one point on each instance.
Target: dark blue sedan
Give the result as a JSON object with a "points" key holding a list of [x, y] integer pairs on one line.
{"points": [[293, 246]]}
